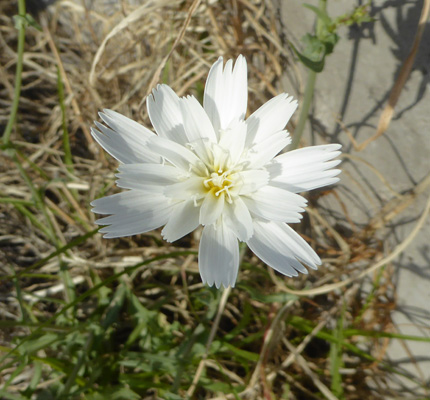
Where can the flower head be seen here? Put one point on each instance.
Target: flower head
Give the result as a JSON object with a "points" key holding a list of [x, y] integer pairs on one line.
{"points": [[209, 166]]}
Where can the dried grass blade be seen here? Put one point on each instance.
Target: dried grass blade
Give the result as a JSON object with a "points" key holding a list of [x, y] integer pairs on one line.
{"points": [[134, 16], [181, 34], [387, 114], [396, 252]]}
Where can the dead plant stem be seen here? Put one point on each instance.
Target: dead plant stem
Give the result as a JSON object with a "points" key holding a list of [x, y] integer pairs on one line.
{"points": [[396, 252], [215, 325]]}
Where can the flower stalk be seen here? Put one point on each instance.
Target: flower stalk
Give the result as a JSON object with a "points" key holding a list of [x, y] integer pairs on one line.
{"points": [[310, 83], [304, 111]]}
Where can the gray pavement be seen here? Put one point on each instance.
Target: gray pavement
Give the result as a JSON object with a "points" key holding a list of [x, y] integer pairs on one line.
{"points": [[355, 85]]}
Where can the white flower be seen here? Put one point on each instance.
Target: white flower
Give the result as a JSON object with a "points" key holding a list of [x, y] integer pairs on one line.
{"points": [[209, 166]]}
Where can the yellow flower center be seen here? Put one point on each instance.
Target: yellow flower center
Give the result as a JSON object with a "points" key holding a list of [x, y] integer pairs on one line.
{"points": [[219, 183]]}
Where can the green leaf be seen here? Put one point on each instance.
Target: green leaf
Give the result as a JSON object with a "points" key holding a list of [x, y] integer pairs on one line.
{"points": [[207, 298], [314, 48], [336, 359], [243, 354], [36, 344], [35, 379], [31, 21], [321, 14], [255, 294], [122, 393], [17, 371], [158, 363], [19, 21], [52, 362], [329, 42], [218, 386], [115, 306], [377, 334], [359, 15], [68, 160], [9, 396], [316, 66], [142, 380], [169, 395]]}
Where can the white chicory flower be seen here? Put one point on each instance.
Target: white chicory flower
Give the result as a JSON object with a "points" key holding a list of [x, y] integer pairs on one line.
{"points": [[209, 166]]}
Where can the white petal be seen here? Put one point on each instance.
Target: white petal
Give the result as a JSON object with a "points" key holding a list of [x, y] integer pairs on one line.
{"points": [[191, 187], [305, 155], [175, 153], [126, 141], [280, 247], [226, 93], [197, 123], [218, 256], [232, 141], [126, 126], [212, 207], [270, 118], [249, 181], [147, 176], [212, 92], [272, 203], [183, 220], [302, 250], [264, 151], [165, 114], [238, 219], [114, 203], [133, 212], [305, 169]]}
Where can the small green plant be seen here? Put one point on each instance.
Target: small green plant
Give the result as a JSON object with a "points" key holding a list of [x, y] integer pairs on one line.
{"points": [[317, 46]]}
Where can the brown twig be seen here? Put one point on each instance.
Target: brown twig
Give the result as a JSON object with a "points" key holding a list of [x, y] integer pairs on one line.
{"points": [[387, 114]]}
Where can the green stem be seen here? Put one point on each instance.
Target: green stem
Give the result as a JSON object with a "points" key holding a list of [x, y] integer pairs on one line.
{"points": [[304, 112], [66, 142], [11, 200], [309, 91], [33, 219], [18, 75], [24, 316], [69, 286], [322, 5]]}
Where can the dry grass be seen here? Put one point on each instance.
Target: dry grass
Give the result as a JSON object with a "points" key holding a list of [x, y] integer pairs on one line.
{"points": [[70, 300]]}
